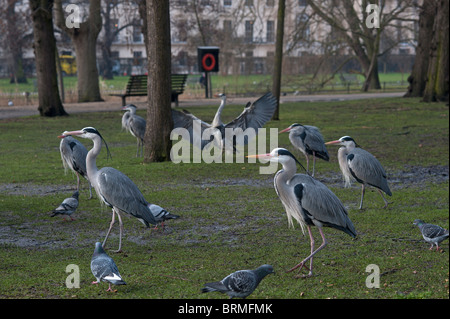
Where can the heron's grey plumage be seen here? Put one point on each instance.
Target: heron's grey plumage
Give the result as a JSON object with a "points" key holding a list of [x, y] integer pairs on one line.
{"points": [[253, 116], [135, 124], [73, 156], [309, 141], [307, 201], [68, 206], [432, 234], [104, 268], [114, 188], [240, 283], [358, 164]]}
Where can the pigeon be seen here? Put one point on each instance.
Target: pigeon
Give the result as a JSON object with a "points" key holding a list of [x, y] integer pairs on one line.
{"points": [[240, 283], [432, 234], [67, 207], [161, 214], [104, 268]]}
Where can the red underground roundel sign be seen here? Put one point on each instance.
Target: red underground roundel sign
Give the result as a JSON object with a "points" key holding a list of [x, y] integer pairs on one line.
{"points": [[208, 62]]}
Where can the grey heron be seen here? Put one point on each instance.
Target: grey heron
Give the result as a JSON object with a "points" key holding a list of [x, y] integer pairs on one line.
{"points": [[359, 164], [308, 201], [254, 116], [135, 124], [73, 156], [114, 188], [309, 141]]}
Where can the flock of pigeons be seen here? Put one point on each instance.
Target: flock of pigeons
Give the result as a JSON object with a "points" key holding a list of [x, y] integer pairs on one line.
{"points": [[298, 192]]}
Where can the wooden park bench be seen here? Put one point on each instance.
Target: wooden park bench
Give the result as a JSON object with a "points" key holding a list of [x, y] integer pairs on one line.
{"points": [[137, 86]]}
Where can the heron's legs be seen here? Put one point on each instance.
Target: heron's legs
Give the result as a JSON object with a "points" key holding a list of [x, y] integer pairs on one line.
{"points": [[310, 257], [363, 190], [113, 220], [307, 163], [78, 181], [384, 199], [120, 232]]}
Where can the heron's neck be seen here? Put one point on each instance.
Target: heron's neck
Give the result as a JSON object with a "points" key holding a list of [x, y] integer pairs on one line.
{"points": [[91, 157], [217, 120], [342, 159], [286, 173]]}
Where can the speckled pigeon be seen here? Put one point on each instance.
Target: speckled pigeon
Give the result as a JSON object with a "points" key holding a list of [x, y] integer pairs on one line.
{"points": [[161, 214], [68, 206], [240, 283], [104, 268], [432, 234]]}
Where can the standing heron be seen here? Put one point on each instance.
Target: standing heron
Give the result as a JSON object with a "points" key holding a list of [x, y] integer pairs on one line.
{"points": [[309, 141], [135, 125], [114, 188], [254, 116], [308, 201], [361, 165], [73, 156]]}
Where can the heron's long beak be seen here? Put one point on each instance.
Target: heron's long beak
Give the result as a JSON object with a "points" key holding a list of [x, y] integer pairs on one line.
{"points": [[67, 133], [333, 142], [287, 129], [263, 156]]}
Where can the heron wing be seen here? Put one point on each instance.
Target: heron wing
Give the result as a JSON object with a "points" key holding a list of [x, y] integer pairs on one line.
{"points": [[137, 126], [255, 115], [186, 120], [319, 203], [366, 168], [315, 142], [119, 191]]}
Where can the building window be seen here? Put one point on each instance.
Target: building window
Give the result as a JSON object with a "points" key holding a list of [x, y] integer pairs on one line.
{"points": [[227, 3], [248, 3], [137, 34], [248, 31], [270, 36], [302, 3], [227, 27]]}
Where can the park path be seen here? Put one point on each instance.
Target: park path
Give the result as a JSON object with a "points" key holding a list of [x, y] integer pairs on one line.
{"points": [[8, 112]]}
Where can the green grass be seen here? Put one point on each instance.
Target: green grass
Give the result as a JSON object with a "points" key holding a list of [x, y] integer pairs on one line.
{"points": [[231, 216]]}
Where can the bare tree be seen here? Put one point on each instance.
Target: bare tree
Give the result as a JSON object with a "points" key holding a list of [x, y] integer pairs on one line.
{"points": [[159, 113], [44, 51], [349, 19], [276, 85], [84, 38]]}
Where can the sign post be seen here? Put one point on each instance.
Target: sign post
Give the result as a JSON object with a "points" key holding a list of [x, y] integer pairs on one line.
{"points": [[208, 61]]}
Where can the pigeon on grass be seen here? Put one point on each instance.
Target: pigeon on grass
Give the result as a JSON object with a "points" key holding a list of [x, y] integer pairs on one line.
{"points": [[67, 207], [161, 215], [432, 234], [240, 283], [104, 268]]}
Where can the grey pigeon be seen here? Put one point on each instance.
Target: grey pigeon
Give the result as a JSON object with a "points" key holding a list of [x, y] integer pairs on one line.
{"points": [[432, 234], [161, 214], [240, 283], [104, 268], [68, 206]]}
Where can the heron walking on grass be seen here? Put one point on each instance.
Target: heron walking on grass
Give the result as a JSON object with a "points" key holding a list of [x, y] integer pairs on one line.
{"points": [[308, 201], [309, 141], [114, 188], [361, 165]]}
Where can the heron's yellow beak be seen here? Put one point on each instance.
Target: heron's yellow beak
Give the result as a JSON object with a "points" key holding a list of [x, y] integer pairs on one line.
{"points": [[260, 156], [332, 142], [287, 129], [67, 133]]}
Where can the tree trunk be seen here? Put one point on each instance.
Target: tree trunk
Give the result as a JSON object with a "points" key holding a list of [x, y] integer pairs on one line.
{"points": [[159, 112], [44, 50], [84, 39], [417, 78], [278, 63], [436, 88]]}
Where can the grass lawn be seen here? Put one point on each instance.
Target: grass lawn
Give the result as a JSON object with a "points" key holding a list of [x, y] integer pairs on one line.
{"points": [[231, 217]]}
